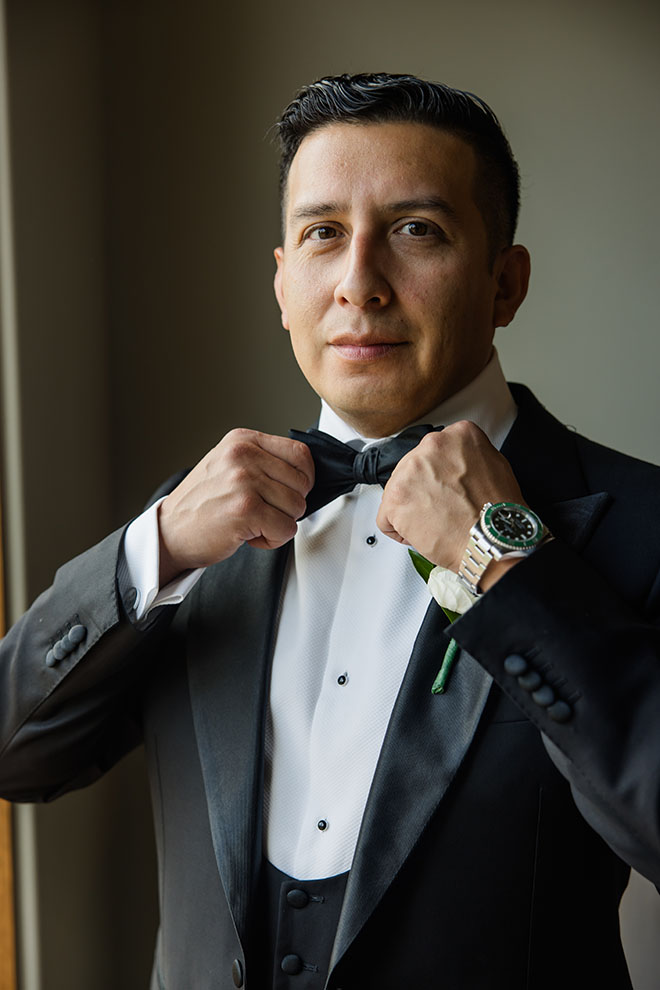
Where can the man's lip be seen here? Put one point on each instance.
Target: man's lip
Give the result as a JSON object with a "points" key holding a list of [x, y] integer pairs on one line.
{"points": [[364, 348]]}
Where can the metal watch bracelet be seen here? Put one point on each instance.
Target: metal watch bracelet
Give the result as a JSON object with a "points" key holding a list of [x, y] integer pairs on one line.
{"points": [[477, 556]]}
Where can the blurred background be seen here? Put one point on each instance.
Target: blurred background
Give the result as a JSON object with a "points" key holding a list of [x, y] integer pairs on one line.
{"points": [[138, 197]]}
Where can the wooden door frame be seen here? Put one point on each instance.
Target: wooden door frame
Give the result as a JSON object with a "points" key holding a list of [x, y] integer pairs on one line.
{"points": [[7, 916]]}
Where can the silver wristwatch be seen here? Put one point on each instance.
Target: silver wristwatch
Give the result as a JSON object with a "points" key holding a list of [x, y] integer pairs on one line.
{"points": [[504, 529]]}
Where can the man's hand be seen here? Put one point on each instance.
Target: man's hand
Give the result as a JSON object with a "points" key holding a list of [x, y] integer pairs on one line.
{"points": [[436, 492], [250, 488]]}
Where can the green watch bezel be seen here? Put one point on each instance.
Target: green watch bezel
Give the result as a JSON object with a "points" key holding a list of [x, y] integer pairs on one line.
{"points": [[503, 541]]}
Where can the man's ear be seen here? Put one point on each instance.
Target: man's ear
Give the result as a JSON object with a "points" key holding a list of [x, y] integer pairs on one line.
{"points": [[277, 284], [512, 268]]}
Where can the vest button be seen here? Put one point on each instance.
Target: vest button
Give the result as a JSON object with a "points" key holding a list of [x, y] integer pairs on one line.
{"points": [[297, 898], [237, 973], [291, 965]]}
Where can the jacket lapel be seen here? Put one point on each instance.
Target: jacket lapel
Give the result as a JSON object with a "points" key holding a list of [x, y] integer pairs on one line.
{"points": [[546, 462], [231, 643]]}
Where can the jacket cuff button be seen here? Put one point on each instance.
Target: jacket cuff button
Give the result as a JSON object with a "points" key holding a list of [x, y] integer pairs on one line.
{"points": [[544, 696], [60, 651], [76, 634], [560, 711], [515, 665], [530, 681]]}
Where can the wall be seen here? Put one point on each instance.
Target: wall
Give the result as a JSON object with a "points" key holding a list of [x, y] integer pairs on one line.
{"points": [[145, 215]]}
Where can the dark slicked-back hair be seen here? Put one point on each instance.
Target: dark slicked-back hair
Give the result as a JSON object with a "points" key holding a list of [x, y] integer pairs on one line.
{"points": [[381, 97]]}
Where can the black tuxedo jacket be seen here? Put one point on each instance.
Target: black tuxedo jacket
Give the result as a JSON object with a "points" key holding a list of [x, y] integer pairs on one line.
{"points": [[496, 841]]}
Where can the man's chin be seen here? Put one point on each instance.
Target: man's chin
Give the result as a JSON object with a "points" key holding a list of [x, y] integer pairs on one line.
{"points": [[374, 419]]}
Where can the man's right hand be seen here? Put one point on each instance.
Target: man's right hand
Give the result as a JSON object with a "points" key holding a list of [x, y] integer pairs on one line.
{"points": [[250, 488]]}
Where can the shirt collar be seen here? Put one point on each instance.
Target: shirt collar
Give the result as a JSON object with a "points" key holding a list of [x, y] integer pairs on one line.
{"points": [[486, 401]]}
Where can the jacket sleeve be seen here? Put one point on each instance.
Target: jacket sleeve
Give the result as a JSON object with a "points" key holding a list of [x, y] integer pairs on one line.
{"points": [[584, 667], [70, 676]]}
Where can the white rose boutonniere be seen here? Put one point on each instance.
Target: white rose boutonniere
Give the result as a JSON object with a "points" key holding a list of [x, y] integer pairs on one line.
{"points": [[449, 591], [453, 598]]}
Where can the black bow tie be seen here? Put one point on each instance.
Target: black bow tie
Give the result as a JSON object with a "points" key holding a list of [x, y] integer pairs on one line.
{"points": [[339, 468]]}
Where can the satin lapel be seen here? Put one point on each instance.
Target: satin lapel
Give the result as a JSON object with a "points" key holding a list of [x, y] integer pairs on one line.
{"points": [[230, 648], [545, 459], [575, 519], [426, 741]]}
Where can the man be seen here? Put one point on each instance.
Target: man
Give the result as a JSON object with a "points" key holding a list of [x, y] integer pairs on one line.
{"points": [[322, 818]]}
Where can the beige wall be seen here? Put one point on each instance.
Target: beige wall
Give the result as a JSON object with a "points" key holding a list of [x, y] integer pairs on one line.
{"points": [[145, 213]]}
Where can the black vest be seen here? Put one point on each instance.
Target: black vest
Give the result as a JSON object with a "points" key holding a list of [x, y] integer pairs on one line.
{"points": [[296, 929]]}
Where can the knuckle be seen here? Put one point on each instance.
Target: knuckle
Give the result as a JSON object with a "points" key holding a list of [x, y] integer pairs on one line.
{"points": [[235, 436], [240, 451], [301, 457], [248, 504], [432, 441], [241, 475], [462, 428]]}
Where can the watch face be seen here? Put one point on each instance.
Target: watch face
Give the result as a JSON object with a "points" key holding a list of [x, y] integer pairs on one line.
{"points": [[512, 526]]}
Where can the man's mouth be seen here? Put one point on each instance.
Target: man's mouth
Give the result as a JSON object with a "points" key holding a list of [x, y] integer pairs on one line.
{"points": [[364, 348]]}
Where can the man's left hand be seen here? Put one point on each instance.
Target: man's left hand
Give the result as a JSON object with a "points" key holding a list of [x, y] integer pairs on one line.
{"points": [[436, 492]]}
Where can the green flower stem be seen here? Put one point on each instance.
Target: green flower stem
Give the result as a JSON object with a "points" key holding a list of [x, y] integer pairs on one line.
{"points": [[424, 568], [438, 686]]}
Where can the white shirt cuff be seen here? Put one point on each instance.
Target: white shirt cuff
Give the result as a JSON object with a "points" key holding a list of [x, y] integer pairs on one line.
{"points": [[141, 553]]}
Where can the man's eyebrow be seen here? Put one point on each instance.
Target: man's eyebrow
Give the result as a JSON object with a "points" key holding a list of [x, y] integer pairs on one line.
{"points": [[308, 211], [435, 203]]}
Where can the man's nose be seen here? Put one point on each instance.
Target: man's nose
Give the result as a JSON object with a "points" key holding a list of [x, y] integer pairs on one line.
{"points": [[363, 282]]}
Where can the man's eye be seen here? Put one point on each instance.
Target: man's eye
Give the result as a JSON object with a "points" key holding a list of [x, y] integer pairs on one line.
{"points": [[321, 234], [416, 228]]}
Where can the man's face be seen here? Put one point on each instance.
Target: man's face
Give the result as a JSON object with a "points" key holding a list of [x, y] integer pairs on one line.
{"points": [[384, 280]]}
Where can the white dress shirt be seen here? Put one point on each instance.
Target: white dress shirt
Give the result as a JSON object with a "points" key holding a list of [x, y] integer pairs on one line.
{"points": [[351, 609]]}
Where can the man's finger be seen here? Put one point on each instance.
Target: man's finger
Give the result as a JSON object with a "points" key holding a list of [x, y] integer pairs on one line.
{"points": [[274, 530], [292, 452]]}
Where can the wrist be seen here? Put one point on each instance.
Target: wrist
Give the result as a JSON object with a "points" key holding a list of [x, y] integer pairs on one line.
{"points": [[496, 570], [169, 567]]}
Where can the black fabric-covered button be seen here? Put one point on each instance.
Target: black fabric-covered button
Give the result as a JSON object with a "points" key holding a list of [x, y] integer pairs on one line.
{"points": [[76, 634], [544, 696], [530, 681], [515, 665], [237, 973], [322, 825], [291, 965], [560, 711], [297, 898], [371, 541]]}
